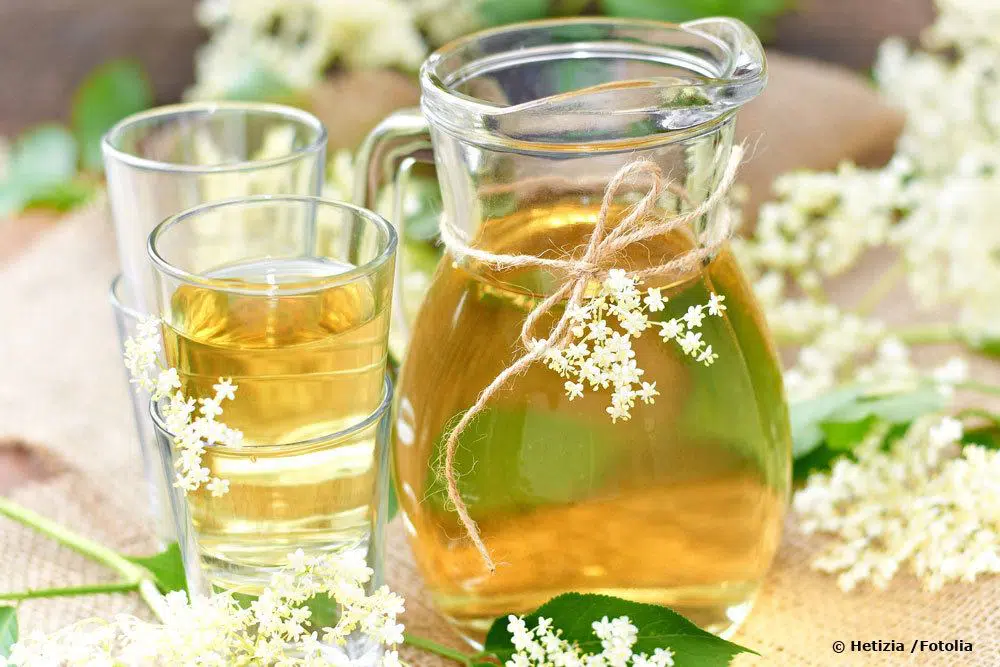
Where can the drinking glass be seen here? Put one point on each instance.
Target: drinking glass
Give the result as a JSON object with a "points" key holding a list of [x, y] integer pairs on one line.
{"points": [[290, 299], [166, 160], [325, 494], [127, 318]]}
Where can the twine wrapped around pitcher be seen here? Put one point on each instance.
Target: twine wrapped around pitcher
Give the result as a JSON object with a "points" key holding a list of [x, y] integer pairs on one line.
{"points": [[604, 244]]}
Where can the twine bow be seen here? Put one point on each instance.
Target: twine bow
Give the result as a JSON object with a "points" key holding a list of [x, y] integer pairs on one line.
{"points": [[601, 249]]}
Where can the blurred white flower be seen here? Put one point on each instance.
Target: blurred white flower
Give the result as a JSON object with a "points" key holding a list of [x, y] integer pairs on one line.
{"points": [[925, 502]]}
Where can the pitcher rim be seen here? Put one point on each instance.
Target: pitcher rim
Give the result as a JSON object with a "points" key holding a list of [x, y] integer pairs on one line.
{"points": [[441, 103]]}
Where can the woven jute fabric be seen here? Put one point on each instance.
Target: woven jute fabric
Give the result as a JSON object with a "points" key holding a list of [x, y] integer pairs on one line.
{"points": [[62, 390]]}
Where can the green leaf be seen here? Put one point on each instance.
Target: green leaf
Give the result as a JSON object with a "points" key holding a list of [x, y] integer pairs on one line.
{"points": [[421, 210], [64, 196], [500, 12], [111, 92], [8, 630], [660, 10], [41, 160], [259, 84], [807, 416], [757, 13], [393, 500], [987, 436], [166, 567], [514, 458], [44, 155], [658, 627], [843, 436], [894, 408], [985, 344]]}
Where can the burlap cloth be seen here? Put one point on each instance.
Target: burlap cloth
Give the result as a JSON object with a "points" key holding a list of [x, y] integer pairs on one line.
{"points": [[62, 392]]}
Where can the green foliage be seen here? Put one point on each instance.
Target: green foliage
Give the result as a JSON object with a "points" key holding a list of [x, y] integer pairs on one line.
{"points": [[499, 12], [8, 630], [833, 425], [658, 627], [421, 210], [41, 170], [807, 417], [166, 567], [393, 500], [43, 165], [758, 14], [987, 345], [111, 92], [988, 437], [257, 84], [554, 458]]}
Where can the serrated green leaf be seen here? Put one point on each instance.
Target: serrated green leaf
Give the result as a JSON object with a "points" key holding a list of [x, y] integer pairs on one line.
{"points": [[166, 567], [806, 417], [658, 627], [111, 92], [8, 630]]}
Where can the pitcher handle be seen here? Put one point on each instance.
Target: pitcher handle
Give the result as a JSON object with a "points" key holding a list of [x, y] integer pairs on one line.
{"points": [[386, 157]]}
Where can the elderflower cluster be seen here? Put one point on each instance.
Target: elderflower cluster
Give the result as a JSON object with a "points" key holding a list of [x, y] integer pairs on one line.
{"points": [[544, 645], [219, 631], [193, 423], [274, 44], [599, 356], [933, 206], [927, 502]]}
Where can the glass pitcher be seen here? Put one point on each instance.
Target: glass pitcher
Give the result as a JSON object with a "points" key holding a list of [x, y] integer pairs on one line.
{"points": [[681, 505]]}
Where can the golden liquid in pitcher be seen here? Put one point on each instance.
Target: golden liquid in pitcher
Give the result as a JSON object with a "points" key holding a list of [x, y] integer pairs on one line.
{"points": [[307, 366], [681, 506]]}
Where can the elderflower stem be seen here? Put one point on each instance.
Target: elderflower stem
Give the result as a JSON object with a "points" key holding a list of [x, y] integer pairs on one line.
{"points": [[439, 649], [927, 334], [66, 591], [981, 387], [133, 574], [151, 595], [881, 287]]}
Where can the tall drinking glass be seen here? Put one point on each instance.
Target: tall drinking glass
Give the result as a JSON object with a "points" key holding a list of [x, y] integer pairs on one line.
{"points": [[166, 160], [127, 318]]}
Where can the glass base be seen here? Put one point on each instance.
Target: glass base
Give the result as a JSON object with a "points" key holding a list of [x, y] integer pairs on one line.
{"points": [[706, 607]]}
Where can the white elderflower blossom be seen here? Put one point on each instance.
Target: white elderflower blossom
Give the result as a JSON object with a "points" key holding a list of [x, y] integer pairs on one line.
{"points": [[274, 629], [544, 645], [926, 502], [191, 434], [933, 207], [292, 43], [600, 356]]}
